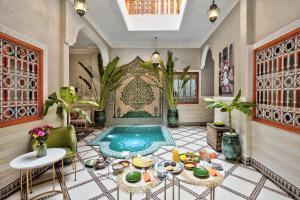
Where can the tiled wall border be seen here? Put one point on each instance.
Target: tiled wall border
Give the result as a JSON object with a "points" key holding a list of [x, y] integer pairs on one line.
{"points": [[281, 182]]}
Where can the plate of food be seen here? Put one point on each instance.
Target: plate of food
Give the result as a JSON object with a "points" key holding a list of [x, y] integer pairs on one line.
{"points": [[189, 157], [219, 124], [133, 177], [142, 162], [125, 163], [200, 172], [171, 166], [190, 165]]}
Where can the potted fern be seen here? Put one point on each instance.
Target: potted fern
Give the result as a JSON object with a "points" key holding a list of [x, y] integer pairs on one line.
{"points": [[108, 78], [231, 147], [67, 102], [167, 72]]}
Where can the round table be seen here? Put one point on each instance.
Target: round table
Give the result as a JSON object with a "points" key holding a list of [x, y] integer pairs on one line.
{"points": [[29, 161]]}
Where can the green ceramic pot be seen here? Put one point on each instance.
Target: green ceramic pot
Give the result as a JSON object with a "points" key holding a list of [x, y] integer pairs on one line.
{"points": [[231, 146], [99, 117], [41, 150], [172, 118]]}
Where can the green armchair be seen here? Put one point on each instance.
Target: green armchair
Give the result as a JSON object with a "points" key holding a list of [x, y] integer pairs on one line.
{"points": [[65, 138]]}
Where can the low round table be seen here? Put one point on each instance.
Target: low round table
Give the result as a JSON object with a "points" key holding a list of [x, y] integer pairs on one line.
{"points": [[29, 161], [212, 182]]}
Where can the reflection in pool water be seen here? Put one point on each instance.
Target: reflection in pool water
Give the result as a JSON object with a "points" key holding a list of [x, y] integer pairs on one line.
{"points": [[133, 139]]}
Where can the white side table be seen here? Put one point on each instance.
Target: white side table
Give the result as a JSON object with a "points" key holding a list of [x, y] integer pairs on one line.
{"points": [[27, 162]]}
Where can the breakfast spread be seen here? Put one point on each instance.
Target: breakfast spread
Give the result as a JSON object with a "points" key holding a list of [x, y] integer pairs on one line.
{"points": [[189, 157]]}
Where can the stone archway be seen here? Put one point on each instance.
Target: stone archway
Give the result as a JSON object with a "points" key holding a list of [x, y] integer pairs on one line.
{"points": [[207, 72]]}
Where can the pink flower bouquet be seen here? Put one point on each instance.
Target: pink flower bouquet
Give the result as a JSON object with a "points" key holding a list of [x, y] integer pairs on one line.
{"points": [[40, 134]]}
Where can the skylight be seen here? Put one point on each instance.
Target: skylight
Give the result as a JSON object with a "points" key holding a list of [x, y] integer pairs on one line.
{"points": [[152, 15]]}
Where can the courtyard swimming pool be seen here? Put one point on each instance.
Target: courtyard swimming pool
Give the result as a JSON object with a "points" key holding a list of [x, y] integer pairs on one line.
{"points": [[136, 140]]}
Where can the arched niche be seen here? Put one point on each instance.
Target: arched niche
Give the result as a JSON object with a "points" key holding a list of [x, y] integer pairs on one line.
{"points": [[93, 36], [207, 72]]}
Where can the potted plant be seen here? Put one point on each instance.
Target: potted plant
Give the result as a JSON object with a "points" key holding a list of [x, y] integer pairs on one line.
{"points": [[67, 102], [109, 78], [41, 134], [167, 72], [231, 147]]}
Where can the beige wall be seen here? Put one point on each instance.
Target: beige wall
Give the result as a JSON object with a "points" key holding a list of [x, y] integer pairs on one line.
{"points": [[275, 148], [183, 57], [41, 22], [89, 58], [55, 24], [271, 15]]}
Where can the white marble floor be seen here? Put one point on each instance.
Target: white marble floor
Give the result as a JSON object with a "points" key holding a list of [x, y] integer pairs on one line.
{"points": [[241, 182]]}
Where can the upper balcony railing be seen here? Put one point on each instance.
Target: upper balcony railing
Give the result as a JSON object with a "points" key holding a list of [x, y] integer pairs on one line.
{"points": [[153, 7]]}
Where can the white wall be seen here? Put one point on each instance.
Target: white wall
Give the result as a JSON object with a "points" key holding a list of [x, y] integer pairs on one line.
{"points": [[183, 58]]}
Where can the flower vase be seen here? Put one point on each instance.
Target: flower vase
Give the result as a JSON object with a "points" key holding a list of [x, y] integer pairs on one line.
{"points": [[41, 150]]}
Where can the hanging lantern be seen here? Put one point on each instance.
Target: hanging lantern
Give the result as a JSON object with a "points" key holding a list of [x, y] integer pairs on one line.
{"points": [[213, 12], [80, 6], [155, 58]]}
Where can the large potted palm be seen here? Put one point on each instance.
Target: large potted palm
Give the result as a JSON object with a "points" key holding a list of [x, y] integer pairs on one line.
{"points": [[167, 73], [67, 101], [109, 80], [231, 147]]}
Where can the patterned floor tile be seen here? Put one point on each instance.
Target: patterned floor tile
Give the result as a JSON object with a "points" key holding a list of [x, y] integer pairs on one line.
{"points": [[240, 182], [267, 194]]}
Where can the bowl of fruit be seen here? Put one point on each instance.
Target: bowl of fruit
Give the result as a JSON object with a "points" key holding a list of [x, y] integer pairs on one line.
{"points": [[189, 157], [219, 124]]}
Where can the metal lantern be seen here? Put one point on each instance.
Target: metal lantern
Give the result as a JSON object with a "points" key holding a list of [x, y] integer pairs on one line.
{"points": [[213, 12], [80, 6], [155, 58]]}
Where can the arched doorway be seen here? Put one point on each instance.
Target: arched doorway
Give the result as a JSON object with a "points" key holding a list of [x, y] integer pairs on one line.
{"points": [[207, 73]]}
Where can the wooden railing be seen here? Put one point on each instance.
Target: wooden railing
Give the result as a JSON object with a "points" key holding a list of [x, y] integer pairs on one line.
{"points": [[153, 7]]}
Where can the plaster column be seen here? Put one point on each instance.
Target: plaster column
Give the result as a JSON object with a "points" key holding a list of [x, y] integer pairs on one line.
{"points": [[246, 38]]}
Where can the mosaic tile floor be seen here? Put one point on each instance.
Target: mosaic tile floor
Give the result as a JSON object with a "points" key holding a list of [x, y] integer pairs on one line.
{"points": [[241, 182]]}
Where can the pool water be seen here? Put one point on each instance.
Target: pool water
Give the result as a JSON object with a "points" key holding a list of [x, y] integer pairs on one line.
{"points": [[133, 139]]}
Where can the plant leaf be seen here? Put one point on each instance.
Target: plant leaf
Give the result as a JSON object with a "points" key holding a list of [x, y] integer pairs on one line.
{"points": [[86, 82], [83, 114], [88, 71]]}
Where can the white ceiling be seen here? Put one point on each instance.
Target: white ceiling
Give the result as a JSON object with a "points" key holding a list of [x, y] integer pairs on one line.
{"points": [[107, 19]]}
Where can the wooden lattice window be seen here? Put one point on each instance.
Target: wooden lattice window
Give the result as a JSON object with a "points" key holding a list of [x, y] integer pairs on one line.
{"points": [[276, 84], [21, 81], [189, 93]]}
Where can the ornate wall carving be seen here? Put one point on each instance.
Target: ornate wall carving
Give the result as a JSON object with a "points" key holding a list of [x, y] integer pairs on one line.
{"points": [[138, 97], [21, 81], [276, 84]]}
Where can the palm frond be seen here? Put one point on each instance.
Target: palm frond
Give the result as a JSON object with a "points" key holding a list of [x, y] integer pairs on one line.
{"points": [[86, 82], [88, 71]]}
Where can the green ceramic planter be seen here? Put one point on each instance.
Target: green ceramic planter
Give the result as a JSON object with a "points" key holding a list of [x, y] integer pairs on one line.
{"points": [[99, 117], [172, 118], [231, 146]]}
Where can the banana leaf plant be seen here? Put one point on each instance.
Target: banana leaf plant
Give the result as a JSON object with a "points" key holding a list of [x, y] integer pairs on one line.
{"points": [[108, 78], [244, 107], [167, 72], [66, 103]]}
